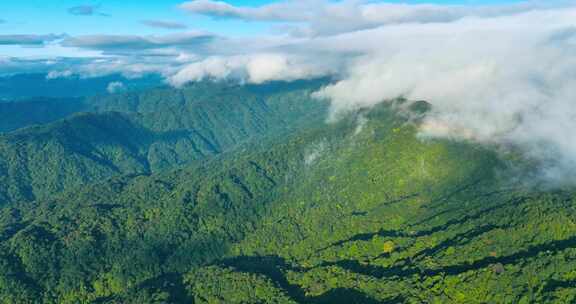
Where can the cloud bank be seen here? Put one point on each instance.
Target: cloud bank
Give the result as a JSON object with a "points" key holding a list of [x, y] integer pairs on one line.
{"points": [[255, 68], [503, 81], [502, 76]]}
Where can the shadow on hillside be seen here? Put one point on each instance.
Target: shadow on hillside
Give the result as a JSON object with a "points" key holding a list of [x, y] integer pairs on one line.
{"points": [[413, 234], [273, 267], [344, 296], [408, 270]]}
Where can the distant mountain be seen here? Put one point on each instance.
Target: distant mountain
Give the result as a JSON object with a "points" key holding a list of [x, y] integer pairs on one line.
{"points": [[26, 86], [19, 114], [144, 133], [360, 211]]}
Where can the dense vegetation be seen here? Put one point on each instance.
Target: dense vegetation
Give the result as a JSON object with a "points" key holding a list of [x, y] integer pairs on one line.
{"points": [[147, 132], [357, 211], [19, 114]]}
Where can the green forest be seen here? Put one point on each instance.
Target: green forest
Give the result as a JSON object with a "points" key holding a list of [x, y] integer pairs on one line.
{"points": [[226, 193]]}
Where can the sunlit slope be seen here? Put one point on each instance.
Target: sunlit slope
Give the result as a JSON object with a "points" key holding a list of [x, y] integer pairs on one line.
{"points": [[382, 217], [357, 211]]}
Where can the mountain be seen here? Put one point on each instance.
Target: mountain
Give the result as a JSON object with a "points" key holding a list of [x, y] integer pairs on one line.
{"points": [[23, 113], [357, 211], [142, 133], [42, 85]]}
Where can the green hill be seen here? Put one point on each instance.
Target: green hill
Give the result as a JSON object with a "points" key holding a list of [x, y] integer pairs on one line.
{"points": [[147, 132], [361, 211], [20, 114]]}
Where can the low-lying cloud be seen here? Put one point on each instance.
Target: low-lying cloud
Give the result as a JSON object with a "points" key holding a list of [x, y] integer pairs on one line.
{"points": [[502, 76], [255, 68], [59, 74], [505, 81], [115, 87]]}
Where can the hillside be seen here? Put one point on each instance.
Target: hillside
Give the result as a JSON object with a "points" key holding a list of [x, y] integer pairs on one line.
{"points": [[24, 113], [361, 211], [144, 133]]}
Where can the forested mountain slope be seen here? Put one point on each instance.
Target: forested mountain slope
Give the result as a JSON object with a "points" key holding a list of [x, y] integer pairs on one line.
{"points": [[18, 114], [174, 108], [361, 211], [145, 133]]}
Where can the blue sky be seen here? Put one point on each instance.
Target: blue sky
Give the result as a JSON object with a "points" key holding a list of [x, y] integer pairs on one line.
{"points": [[42, 17], [134, 29]]}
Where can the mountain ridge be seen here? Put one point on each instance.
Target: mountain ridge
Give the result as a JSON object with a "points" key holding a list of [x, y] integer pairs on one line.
{"points": [[359, 210], [162, 129]]}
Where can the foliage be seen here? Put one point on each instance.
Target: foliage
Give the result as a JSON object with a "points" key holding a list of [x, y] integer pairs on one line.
{"points": [[148, 132], [326, 213]]}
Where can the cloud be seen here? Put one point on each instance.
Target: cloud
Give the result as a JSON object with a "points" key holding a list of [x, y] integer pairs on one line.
{"points": [[59, 74], [255, 68], [129, 67], [323, 17], [504, 81], [28, 40], [283, 11], [134, 42], [86, 10], [115, 87], [12, 65], [164, 24]]}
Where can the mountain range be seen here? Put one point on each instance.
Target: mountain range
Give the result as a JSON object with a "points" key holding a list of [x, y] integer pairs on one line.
{"points": [[227, 193]]}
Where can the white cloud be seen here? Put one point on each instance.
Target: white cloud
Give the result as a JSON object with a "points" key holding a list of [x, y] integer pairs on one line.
{"points": [[256, 68], [28, 40], [115, 87], [505, 81], [170, 25], [321, 17], [280, 11], [125, 66], [59, 74], [135, 42], [86, 10]]}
